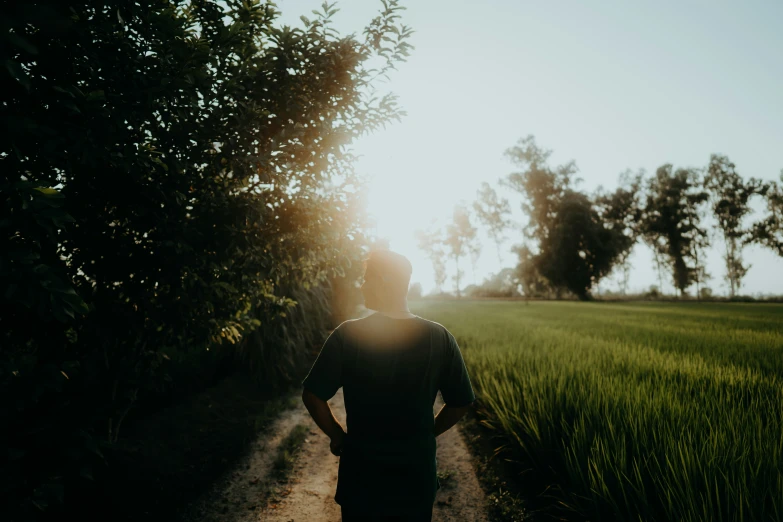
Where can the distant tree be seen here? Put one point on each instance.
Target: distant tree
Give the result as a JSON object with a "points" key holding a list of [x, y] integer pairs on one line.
{"points": [[655, 240], [575, 248], [730, 196], [414, 291], [460, 237], [439, 267], [699, 244], [471, 290], [532, 282], [621, 211], [502, 284], [491, 212], [431, 243], [580, 250], [671, 223], [474, 250], [769, 231], [542, 187], [457, 278]]}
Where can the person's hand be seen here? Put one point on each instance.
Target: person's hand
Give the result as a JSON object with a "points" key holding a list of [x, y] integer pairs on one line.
{"points": [[336, 444]]}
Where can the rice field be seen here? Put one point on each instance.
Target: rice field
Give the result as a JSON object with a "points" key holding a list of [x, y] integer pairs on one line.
{"points": [[634, 411]]}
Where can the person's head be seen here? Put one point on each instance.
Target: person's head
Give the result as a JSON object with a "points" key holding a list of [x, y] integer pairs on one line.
{"points": [[387, 275]]}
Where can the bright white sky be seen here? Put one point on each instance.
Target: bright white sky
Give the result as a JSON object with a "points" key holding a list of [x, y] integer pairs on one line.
{"points": [[610, 84]]}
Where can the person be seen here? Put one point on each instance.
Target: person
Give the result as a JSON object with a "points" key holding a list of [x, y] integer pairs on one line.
{"points": [[391, 365]]}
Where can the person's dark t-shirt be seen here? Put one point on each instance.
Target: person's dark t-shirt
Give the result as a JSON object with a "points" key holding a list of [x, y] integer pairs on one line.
{"points": [[390, 370]]}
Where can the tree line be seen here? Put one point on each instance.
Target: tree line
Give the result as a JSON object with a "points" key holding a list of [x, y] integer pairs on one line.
{"points": [[573, 239]]}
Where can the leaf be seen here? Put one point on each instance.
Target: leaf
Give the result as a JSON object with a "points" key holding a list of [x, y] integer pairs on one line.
{"points": [[24, 256], [17, 73], [60, 313], [226, 286], [46, 191], [64, 91], [72, 106], [97, 95], [22, 43]]}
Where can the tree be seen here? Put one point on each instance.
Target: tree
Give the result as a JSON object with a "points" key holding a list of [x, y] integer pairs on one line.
{"points": [[533, 283], [460, 237], [580, 249], [171, 184], [502, 284], [474, 250], [671, 223], [574, 247], [730, 196], [492, 212], [621, 210], [769, 231], [542, 187], [431, 243]]}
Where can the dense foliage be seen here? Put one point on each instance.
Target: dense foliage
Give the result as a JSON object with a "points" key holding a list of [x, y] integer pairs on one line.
{"points": [[769, 231], [576, 245], [175, 181], [672, 218]]}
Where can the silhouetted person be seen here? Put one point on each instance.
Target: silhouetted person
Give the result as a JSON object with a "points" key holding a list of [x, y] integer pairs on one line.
{"points": [[391, 365]]}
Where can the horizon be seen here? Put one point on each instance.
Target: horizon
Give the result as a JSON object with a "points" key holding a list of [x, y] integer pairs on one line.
{"points": [[611, 86]]}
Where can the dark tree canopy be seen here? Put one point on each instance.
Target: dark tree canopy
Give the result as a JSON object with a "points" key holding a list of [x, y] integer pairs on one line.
{"points": [[580, 249], [769, 231], [576, 246], [175, 178], [672, 218], [621, 212], [526, 272]]}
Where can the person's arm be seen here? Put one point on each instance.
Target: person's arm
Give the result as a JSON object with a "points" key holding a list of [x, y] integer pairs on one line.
{"points": [[320, 385], [455, 388], [324, 418], [448, 417]]}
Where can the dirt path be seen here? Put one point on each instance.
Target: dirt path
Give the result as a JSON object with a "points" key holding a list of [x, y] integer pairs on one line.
{"points": [[308, 495]]}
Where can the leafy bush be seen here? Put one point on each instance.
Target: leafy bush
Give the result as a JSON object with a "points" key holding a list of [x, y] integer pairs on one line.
{"points": [[176, 180]]}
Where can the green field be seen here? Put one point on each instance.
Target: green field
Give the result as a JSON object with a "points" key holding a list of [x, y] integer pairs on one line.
{"points": [[634, 411]]}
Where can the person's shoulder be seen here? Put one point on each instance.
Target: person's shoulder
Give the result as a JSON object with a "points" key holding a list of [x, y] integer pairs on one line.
{"points": [[349, 325], [437, 328], [345, 325], [432, 324]]}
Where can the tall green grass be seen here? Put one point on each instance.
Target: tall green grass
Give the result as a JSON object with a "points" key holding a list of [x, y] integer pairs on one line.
{"points": [[635, 411]]}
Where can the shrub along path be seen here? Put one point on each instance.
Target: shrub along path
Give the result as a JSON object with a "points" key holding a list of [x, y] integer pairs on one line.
{"points": [[290, 476]]}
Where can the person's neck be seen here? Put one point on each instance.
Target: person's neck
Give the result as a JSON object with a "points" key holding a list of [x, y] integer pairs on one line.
{"points": [[399, 309]]}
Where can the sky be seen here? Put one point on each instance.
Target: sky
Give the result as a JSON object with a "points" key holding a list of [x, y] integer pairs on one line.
{"points": [[612, 85]]}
